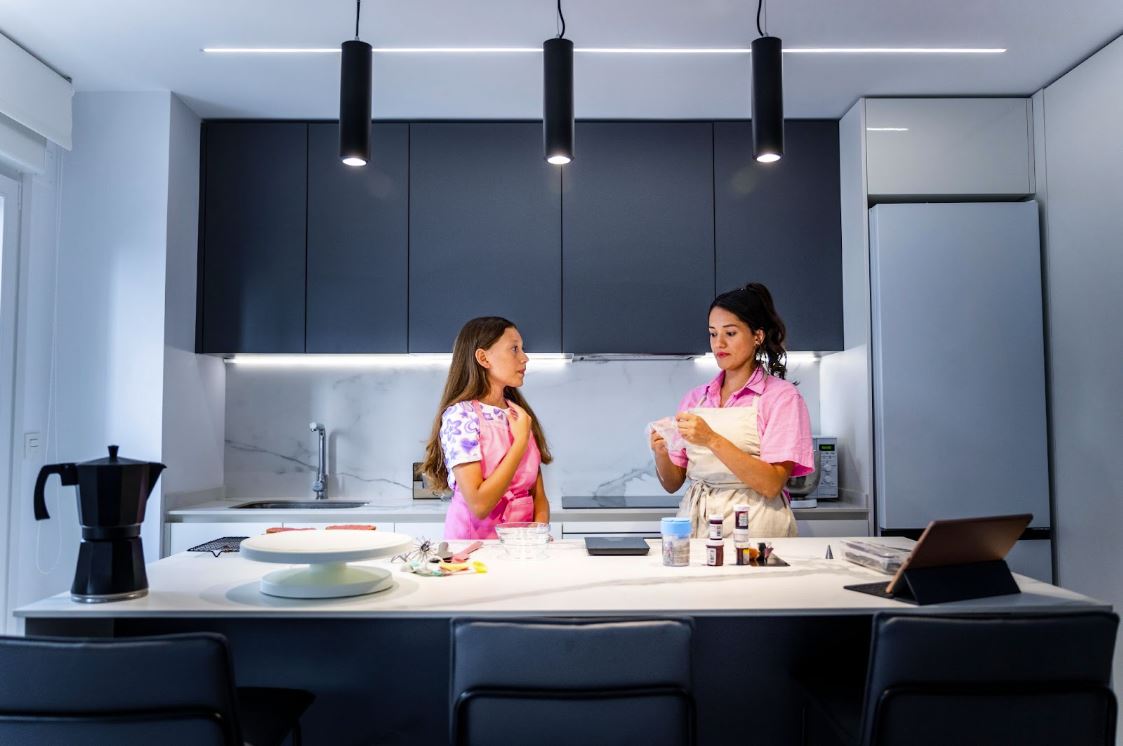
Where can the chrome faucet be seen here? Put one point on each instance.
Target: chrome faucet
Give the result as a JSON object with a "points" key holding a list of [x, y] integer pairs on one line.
{"points": [[320, 486]]}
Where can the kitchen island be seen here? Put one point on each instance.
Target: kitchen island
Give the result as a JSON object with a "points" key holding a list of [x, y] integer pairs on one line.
{"points": [[379, 663]]}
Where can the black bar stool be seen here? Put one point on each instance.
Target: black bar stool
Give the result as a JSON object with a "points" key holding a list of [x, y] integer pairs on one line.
{"points": [[1022, 679], [170, 689], [572, 681]]}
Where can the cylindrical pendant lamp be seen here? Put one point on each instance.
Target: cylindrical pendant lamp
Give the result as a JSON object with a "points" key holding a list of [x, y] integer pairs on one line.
{"points": [[557, 105], [354, 103], [768, 99]]}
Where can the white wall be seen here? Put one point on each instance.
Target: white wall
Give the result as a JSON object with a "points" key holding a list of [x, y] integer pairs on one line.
{"points": [[847, 396], [112, 261], [106, 319], [1081, 186], [194, 385]]}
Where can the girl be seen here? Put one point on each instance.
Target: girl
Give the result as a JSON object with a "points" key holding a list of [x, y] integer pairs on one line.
{"points": [[486, 443], [747, 430]]}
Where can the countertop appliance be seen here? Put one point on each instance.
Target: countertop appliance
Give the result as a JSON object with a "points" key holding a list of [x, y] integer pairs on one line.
{"points": [[112, 494], [958, 365], [826, 451], [423, 489], [822, 484]]}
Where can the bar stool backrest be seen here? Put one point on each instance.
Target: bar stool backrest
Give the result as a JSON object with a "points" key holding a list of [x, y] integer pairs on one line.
{"points": [[572, 681], [171, 689], [1018, 678]]}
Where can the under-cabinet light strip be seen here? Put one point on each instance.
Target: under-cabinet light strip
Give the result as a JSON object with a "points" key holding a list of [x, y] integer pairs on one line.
{"points": [[435, 360], [539, 360]]}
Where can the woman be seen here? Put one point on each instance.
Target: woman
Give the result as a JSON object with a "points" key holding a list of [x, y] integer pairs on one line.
{"points": [[747, 430], [486, 443]]}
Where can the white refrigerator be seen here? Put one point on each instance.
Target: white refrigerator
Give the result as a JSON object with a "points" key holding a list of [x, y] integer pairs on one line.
{"points": [[959, 369]]}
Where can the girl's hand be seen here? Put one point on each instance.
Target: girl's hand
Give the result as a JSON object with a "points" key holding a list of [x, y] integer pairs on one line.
{"points": [[694, 429], [520, 421], [656, 441]]}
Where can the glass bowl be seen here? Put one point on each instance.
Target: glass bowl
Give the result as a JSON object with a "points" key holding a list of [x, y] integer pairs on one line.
{"points": [[525, 540]]}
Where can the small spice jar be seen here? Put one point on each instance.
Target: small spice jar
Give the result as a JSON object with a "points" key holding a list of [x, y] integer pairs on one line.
{"points": [[741, 523], [717, 523], [676, 541], [744, 552], [715, 553], [741, 517]]}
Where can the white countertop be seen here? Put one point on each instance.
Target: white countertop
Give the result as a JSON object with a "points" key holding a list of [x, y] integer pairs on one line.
{"points": [[569, 582], [421, 511]]}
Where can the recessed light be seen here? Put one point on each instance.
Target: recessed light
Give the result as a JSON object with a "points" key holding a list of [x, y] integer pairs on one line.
{"points": [[887, 129]]}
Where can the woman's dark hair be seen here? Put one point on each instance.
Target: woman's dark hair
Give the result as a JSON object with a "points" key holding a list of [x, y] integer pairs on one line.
{"points": [[753, 305]]}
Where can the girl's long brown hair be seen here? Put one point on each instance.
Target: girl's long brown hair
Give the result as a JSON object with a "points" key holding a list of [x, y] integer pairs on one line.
{"points": [[467, 381]]}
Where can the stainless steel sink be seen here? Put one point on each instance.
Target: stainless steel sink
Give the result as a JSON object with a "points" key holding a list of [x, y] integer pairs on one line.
{"points": [[299, 505]]}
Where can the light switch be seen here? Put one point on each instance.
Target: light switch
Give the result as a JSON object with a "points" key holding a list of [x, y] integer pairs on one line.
{"points": [[31, 445]]}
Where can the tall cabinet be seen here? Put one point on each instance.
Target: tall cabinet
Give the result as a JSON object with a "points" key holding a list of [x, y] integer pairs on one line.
{"points": [[938, 398]]}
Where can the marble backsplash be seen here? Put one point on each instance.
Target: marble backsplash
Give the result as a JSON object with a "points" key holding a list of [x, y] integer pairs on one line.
{"points": [[378, 419]]}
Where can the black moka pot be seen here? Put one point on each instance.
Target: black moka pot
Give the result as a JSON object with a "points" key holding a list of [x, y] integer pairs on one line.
{"points": [[112, 493]]}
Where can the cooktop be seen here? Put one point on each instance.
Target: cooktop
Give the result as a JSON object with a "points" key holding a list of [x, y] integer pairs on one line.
{"points": [[668, 502]]}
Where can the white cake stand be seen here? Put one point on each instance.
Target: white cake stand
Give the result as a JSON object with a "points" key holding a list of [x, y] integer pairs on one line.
{"points": [[326, 554]]}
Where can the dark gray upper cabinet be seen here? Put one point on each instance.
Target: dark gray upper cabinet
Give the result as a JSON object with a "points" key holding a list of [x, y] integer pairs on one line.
{"points": [[780, 224], [358, 243], [638, 262], [615, 253], [251, 285], [485, 232]]}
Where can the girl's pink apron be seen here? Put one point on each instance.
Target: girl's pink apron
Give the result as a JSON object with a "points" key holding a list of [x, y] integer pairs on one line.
{"points": [[517, 503]]}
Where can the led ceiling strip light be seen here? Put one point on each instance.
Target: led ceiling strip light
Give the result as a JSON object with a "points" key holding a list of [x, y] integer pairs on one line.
{"points": [[609, 50]]}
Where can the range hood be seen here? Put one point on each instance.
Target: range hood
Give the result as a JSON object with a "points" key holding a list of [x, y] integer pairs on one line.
{"points": [[609, 357]]}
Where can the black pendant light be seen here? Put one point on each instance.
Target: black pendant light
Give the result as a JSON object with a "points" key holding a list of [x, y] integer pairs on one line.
{"points": [[557, 103], [354, 99], [768, 95]]}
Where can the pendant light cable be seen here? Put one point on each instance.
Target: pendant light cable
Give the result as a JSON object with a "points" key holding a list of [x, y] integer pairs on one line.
{"points": [[560, 19], [358, 3], [759, 30]]}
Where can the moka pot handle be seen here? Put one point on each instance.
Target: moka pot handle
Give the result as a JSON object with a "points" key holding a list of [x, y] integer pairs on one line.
{"points": [[68, 474]]}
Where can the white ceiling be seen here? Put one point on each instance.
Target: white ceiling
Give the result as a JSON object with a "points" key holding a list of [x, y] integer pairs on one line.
{"points": [[134, 45]]}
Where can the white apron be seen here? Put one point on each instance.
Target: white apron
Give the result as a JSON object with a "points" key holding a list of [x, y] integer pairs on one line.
{"points": [[714, 490]]}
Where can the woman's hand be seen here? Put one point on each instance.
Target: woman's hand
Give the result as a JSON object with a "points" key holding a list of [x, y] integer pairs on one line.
{"points": [[656, 441], [520, 422], [695, 430]]}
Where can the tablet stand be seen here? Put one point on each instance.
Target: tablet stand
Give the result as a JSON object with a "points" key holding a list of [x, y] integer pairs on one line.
{"points": [[937, 585]]}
